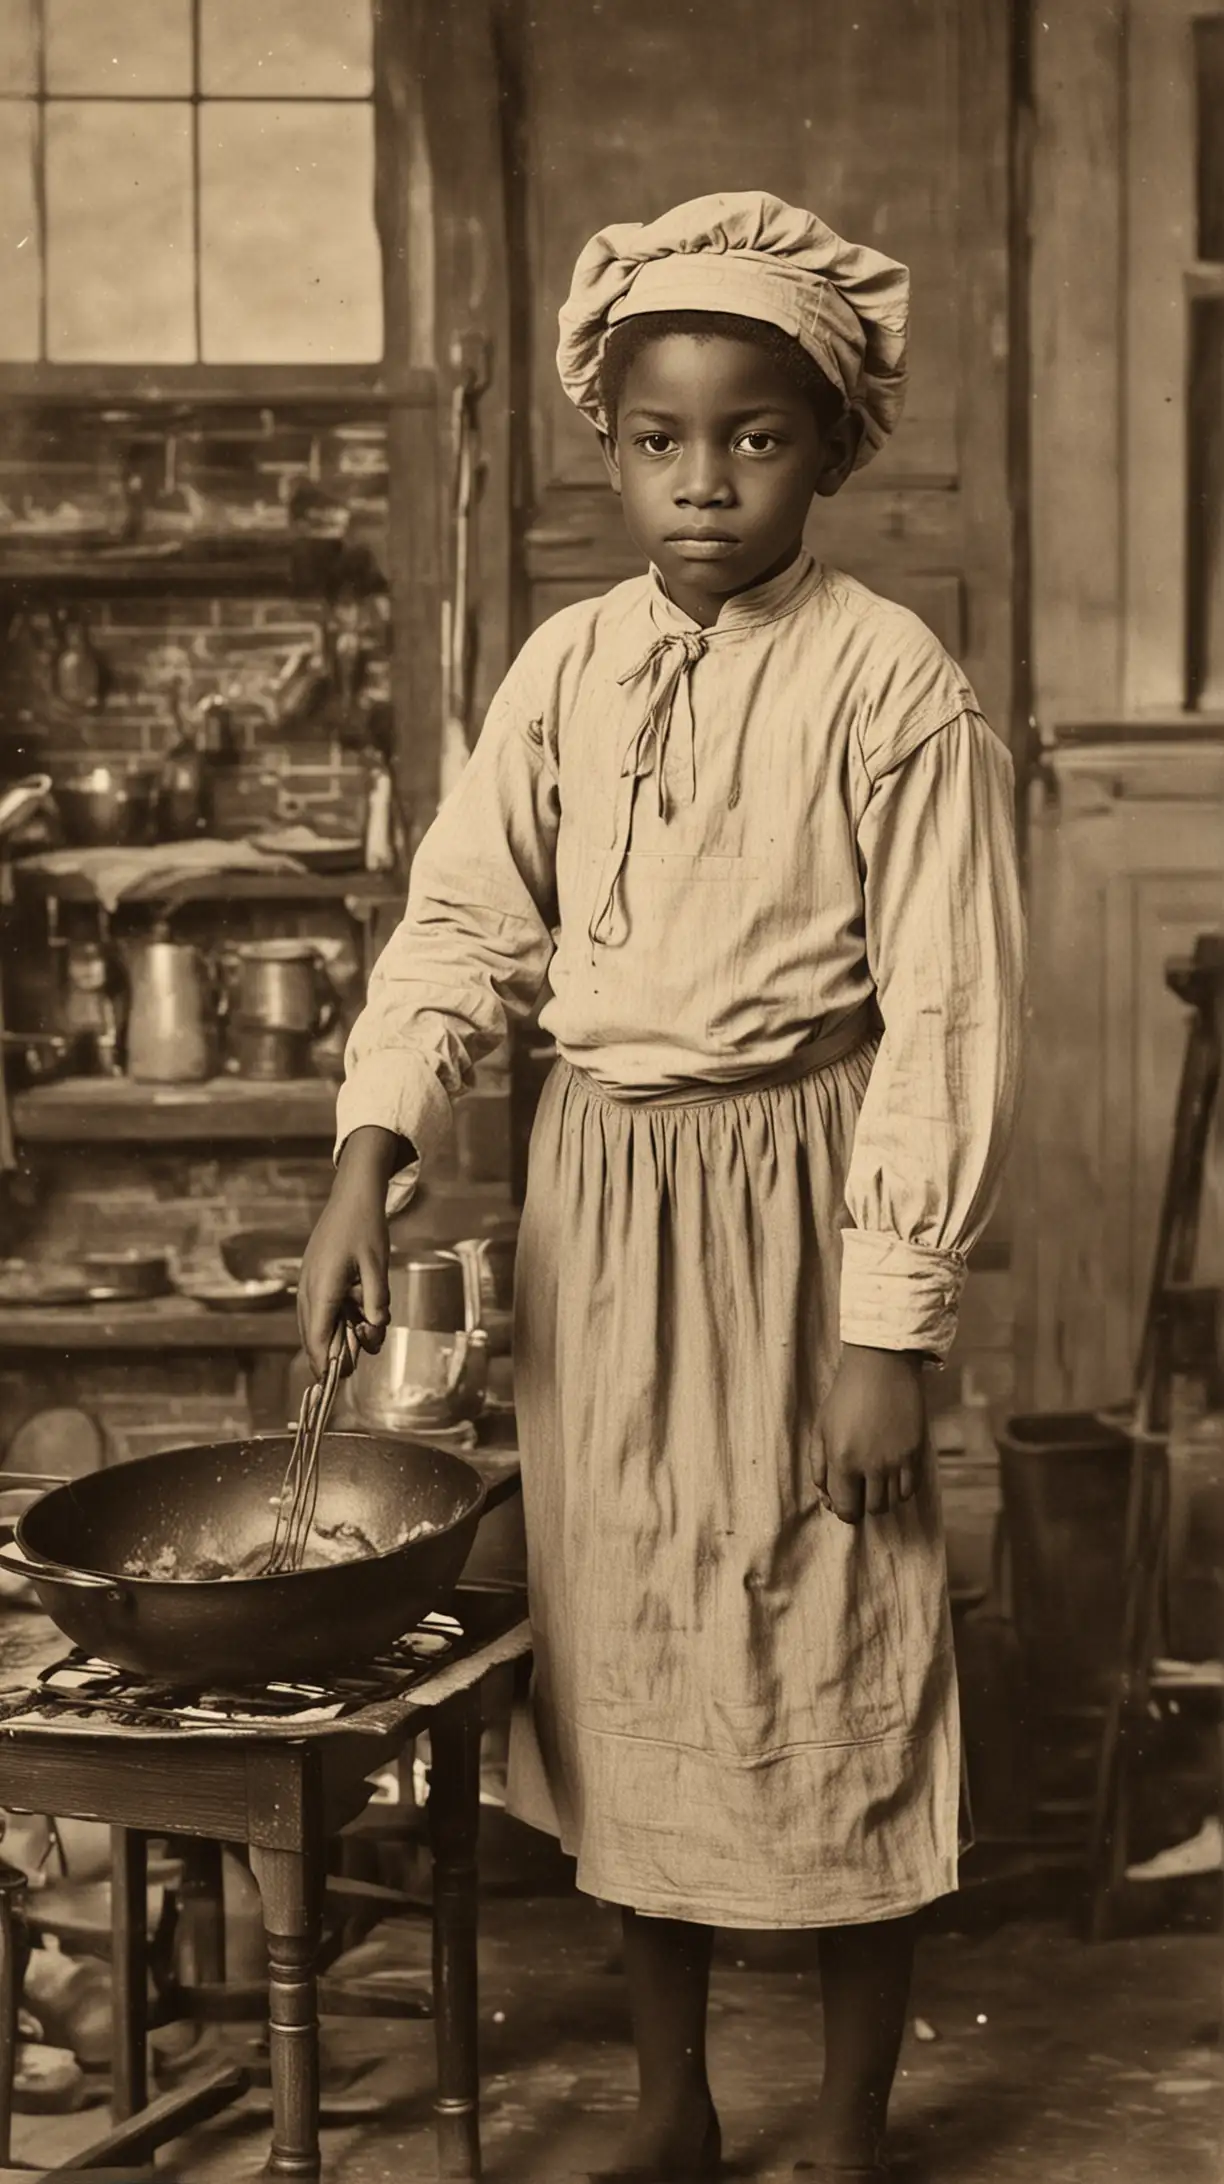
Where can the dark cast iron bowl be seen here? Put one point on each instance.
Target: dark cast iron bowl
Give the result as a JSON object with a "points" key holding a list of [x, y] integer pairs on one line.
{"points": [[213, 1503]]}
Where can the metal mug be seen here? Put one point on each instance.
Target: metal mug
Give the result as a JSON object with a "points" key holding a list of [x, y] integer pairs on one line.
{"points": [[266, 1055], [105, 804], [282, 985]]}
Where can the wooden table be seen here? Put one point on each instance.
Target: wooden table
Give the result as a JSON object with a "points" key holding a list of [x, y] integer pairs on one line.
{"points": [[283, 1791]]}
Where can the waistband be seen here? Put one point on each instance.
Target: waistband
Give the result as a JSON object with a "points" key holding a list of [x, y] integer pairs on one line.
{"points": [[830, 1046]]}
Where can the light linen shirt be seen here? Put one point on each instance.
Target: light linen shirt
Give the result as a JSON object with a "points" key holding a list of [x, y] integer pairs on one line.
{"points": [[716, 844]]}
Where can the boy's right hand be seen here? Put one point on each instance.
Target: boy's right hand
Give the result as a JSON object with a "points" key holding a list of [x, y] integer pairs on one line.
{"points": [[345, 1263]]}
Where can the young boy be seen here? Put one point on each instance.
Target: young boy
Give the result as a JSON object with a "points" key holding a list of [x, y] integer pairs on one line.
{"points": [[748, 819]]}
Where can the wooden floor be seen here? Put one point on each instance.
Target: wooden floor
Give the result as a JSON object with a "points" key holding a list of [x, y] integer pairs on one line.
{"points": [[1052, 2061]]}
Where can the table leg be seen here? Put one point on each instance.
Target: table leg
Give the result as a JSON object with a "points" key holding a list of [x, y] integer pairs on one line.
{"points": [[201, 1912], [292, 1907], [454, 1818], [12, 1885], [129, 1972]]}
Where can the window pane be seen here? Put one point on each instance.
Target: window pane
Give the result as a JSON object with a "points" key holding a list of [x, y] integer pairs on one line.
{"points": [[289, 262], [18, 235], [1206, 504], [120, 46], [286, 48], [119, 251], [1209, 85], [18, 71]]}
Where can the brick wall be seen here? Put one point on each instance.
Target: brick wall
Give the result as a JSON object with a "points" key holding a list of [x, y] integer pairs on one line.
{"points": [[80, 478], [317, 490]]}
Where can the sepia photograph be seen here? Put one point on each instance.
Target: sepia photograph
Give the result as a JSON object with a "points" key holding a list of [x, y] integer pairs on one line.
{"points": [[611, 1155]]}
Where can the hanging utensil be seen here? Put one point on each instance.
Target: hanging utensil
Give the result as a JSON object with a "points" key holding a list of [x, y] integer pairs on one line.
{"points": [[80, 676], [184, 798], [457, 629], [176, 506]]}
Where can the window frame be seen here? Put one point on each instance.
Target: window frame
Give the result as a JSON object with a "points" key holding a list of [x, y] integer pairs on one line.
{"points": [[1163, 279], [405, 375]]}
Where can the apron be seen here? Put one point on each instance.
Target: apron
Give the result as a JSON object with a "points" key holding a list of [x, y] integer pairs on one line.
{"points": [[743, 1712]]}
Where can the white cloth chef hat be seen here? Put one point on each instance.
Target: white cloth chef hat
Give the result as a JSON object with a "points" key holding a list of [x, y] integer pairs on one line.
{"points": [[754, 256]]}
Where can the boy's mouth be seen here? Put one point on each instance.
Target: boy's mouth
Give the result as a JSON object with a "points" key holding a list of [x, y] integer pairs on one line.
{"points": [[702, 545]]}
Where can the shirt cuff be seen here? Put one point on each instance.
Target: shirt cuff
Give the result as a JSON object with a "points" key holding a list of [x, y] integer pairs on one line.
{"points": [[898, 1296], [396, 1091]]}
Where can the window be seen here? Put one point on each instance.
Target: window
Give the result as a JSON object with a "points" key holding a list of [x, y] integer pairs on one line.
{"points": [[1206, 435], [1173, 419], [188, 182]]}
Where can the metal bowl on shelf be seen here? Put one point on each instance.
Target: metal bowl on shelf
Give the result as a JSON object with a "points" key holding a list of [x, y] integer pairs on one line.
{"points": [[122, 1277], [264, 1255], [106, 806], [25, 1283]]}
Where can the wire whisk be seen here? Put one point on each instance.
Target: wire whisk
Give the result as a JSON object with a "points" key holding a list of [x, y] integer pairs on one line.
{"points": [[299, 1494]]}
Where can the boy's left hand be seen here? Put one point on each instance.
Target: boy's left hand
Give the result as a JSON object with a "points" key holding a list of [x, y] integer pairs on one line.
{"points": [[872, 1430]]}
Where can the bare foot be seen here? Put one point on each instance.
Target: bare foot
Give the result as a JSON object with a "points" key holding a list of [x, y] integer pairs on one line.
{"points": [[675, 2149]]}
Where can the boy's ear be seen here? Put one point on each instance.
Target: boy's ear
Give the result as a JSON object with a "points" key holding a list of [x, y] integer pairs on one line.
{"points": [[841, 449], [611, 457]]}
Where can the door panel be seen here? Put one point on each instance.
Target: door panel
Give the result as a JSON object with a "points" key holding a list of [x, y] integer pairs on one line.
{"points": [[891, 120]]}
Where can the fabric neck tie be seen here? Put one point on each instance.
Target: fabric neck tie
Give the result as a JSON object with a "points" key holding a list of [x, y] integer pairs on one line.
{"points": [[670, 662]]}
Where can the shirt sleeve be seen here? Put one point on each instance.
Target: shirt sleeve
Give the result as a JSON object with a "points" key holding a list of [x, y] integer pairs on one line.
{"points": [[946, 948], [474, 945]]}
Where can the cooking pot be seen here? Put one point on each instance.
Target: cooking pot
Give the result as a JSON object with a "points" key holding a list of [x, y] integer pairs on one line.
{"points": [[77, 1545], [101, 806], [281, 985]]}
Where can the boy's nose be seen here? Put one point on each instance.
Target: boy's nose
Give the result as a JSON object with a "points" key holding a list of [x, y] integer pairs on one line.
{"points": [[703, 484]]}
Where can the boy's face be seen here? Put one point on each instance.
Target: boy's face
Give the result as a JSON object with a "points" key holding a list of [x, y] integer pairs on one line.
{"points": [[716, 458]]}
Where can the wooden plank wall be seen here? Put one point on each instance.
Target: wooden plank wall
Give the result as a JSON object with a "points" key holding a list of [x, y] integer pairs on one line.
{"points": [[912, 154]]}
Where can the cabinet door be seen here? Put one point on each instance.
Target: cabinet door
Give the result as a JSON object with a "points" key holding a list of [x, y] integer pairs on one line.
{"points": [[892, 123], [1126, 875]]}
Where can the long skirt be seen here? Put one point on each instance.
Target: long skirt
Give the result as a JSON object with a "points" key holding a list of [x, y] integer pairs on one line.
{"points": [[743, 1711]]}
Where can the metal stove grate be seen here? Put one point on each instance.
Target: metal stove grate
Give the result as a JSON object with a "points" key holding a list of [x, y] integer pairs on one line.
{"points": [[77, 1685]]}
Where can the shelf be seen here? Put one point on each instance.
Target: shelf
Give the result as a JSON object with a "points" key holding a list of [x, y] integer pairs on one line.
{"points": [[357, 887], [299, 567], [339, 392], [112, 1110], [161, 1323]]}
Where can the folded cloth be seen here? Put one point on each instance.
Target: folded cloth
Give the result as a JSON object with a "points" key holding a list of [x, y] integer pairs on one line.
{"points": [[128, 875]]}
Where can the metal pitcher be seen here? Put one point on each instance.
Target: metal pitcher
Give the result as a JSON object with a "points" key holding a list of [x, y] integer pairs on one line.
{"points": [[489, 1260], [172, 1011], [433, 1365]]}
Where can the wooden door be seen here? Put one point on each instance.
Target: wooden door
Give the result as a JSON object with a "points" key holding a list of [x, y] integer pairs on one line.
{"points": [[1125, 875], [891, 119]]}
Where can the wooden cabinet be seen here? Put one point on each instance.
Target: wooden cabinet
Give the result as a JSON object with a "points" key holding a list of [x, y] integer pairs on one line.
{"points": [[1127, 852]]}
